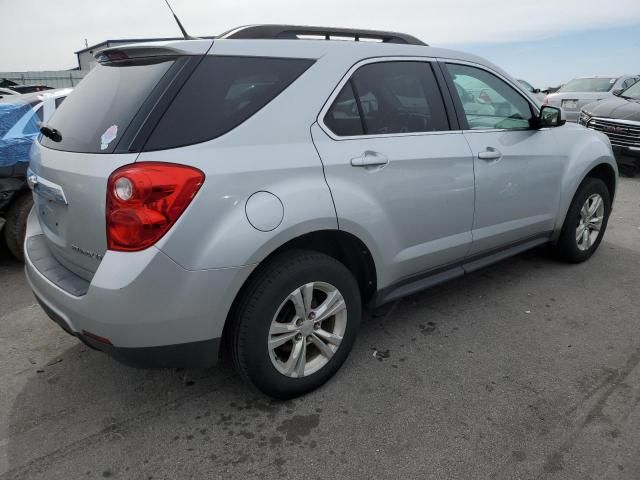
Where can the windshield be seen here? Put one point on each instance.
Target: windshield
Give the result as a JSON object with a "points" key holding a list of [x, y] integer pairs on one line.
{"points": [[10, 113], [589, 85], [527, 86], [632, 92]]}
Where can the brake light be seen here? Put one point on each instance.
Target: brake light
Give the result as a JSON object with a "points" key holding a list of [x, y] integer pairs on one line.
{"points": [[105, 58], [144, 200], [546, 100]]}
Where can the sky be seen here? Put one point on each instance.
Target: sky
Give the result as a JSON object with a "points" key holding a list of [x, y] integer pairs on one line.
{"points": [[546, 42]]}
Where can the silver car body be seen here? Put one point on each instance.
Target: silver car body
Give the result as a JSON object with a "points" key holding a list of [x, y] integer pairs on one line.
{"points": [[572, 102], [430, 210]]}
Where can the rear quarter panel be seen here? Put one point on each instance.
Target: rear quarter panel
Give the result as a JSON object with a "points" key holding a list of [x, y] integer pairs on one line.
{"points": [[272, 151]]}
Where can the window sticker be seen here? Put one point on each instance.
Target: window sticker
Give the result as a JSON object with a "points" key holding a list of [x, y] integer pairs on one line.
{"points": [[108, 136]]}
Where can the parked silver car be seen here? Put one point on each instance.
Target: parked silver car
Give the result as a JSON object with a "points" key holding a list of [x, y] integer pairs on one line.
{"points": [[577, 93], [256, 190]]}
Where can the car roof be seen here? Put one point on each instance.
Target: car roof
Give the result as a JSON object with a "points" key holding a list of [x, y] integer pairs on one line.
{"points": [[311, 49]]}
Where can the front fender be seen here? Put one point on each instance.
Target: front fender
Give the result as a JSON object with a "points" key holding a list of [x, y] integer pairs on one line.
{"points": [[585, 150]]}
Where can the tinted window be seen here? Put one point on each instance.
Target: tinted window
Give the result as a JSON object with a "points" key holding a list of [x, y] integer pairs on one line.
{"points": [[343, 118], [395, 97], [633, 91], [59, 100], [489, 102], [222, 93], [588, 85], [96, 114]]}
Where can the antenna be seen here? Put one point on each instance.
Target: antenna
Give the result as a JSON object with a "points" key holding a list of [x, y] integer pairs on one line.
{"points": [[184, 32]]}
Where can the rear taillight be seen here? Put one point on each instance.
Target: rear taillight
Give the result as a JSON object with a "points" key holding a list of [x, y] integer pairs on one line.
{"points": [[546, 100], [144, 200]]}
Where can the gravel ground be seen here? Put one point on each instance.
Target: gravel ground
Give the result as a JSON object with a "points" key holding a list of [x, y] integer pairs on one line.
{"points": [[527, 369]]}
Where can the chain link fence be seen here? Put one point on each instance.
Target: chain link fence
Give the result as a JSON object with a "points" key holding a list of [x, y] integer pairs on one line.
{"points": [[54, 78]]}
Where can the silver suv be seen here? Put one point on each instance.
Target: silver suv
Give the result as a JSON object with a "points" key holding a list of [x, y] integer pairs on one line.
{"points": [[257, 190]]}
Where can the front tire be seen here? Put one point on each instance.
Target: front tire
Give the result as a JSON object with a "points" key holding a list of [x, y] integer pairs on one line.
{"points": [[585, 223], [295, 323]]}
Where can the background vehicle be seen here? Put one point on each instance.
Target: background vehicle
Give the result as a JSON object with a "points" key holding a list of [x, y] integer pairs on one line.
{"points": [[618, 117], [30, 88], [5, 92], [578, 92], [259, 192], [20, 119], [536, 92]]}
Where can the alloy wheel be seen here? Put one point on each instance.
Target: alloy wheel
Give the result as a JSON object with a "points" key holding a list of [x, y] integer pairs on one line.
{"points": [[590, 222], [307, 329]]}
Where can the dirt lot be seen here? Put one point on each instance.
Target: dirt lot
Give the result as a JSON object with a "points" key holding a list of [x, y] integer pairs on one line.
{"points": [[528, 369]]}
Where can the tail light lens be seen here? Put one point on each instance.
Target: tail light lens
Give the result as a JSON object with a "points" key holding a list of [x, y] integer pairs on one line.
{"points": [[545, 101], [144, 200]]}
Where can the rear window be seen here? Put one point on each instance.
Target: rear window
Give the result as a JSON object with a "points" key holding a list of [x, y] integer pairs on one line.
{"points": [[223, 92], [95, 115], [589, 85]]}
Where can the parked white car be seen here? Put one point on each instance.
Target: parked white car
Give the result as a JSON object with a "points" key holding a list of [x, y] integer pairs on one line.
{"points": [[5, 92], [579, 92]]}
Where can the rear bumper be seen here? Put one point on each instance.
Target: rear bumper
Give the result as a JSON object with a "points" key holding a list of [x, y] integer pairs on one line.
{"points": [[186, 355], [152, 311], [571, 115]]}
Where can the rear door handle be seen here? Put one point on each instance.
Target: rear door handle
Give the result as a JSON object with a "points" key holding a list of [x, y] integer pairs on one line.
{"points": [[490, 154], [369, 159]]}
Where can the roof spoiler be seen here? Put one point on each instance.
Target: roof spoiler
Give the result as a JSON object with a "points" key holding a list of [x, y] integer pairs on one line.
{"points": [[297, 32], [152, 51]]}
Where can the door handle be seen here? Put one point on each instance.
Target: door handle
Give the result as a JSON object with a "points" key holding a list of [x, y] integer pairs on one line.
{"points": [[490, 154], [369, 159]]}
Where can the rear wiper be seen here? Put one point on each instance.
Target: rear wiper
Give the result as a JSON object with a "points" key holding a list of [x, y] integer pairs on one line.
{"points": [[51, 133]]}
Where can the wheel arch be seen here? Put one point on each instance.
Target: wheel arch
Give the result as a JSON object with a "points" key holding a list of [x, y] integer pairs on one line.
{"points": [[345, 247], [606, 173], [602, 168]]}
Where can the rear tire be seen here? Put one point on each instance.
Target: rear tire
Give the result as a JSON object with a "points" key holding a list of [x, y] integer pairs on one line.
{"points": [[16, 226], [584, 229], [276, 350]]}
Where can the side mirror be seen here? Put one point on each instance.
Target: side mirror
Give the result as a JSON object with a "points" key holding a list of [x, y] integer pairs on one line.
{"points": [[536, 90], [618, 91], [551, 117]]}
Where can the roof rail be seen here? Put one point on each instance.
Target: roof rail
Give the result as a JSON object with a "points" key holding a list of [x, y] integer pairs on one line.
{"points": [[289, 32]]}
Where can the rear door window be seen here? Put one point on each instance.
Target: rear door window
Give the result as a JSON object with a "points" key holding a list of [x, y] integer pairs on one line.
{"points": [[95, 115], [222, 93], [391, 97]]}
